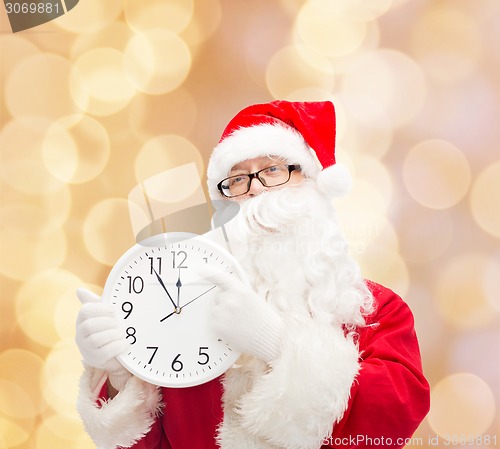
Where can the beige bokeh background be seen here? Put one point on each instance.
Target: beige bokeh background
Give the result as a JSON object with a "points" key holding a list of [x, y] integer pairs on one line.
{"points": [[115, 92]]}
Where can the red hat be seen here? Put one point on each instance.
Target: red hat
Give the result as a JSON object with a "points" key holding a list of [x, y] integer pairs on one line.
{"points": [[300, 132]]}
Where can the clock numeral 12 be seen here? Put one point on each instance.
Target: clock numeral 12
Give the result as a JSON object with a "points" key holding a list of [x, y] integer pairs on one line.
{"points": [[178, 259]]}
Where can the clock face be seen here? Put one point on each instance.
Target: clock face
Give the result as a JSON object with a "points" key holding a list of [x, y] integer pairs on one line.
{"points": [[163, 304]]}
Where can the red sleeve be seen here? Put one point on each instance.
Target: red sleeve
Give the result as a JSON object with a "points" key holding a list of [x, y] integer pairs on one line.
{"points": [[189, 419], [390, 396]]}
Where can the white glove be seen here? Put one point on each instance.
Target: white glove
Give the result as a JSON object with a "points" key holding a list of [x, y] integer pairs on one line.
{"points": [[99, 338], [244, 320]]}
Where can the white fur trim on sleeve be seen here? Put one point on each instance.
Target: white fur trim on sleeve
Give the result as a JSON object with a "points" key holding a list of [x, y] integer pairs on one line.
{"points": [[296, 404], [123, 420]]}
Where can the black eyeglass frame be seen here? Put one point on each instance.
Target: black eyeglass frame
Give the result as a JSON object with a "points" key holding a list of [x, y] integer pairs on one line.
{"points": [[251, 176]]}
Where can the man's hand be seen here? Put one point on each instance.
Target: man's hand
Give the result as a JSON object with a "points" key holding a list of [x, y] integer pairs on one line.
{"points": [[244, 320], [99, 338]]}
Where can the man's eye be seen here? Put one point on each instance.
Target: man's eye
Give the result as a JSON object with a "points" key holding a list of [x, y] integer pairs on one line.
{"points": [[274, 170], [238, 180]]}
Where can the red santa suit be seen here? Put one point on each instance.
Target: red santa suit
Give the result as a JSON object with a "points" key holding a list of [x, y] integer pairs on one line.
{"points": [[343, 377], [388, 400]]}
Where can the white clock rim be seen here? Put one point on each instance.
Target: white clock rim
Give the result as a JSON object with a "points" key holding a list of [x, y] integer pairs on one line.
{"points": [[169, 238]]}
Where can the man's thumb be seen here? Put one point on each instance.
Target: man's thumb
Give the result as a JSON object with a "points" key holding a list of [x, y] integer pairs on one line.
{"points": [[85, 296]]}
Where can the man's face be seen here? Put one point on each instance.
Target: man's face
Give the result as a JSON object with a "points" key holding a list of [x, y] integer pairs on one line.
{"points": [[261, 163]]}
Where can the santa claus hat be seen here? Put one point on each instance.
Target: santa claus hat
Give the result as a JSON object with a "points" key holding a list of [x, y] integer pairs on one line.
{"points": [[300, 132]]}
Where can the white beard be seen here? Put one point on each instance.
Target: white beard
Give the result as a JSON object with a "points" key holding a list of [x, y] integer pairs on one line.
{"points": [[297, 257]]}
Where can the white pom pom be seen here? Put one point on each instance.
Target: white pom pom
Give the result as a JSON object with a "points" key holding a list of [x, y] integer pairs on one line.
{"points": [[335, 180]]}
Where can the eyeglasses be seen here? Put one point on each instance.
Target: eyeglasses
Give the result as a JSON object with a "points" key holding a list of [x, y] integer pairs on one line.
{"points": [[273, 176]]}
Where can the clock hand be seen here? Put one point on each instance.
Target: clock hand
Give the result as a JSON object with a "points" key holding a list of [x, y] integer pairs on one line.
{"points": [[194, 299], [168, 316], [177, 310], [179, 285], [164, 288]]}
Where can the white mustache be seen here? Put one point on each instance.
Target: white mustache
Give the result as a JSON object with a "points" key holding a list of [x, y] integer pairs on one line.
{"points": [[275, 210]]}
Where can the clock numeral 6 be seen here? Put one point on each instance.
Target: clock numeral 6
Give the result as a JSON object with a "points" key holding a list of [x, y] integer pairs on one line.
{"points": [[177, 365]]}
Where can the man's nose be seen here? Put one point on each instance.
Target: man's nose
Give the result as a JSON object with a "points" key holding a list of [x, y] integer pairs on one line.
{"points": [[256, 187]]}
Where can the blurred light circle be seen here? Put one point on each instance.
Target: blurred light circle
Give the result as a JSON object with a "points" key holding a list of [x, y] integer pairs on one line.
{"points": [[257, 48], [398, 3], [297, 67], [34, 214], [76, 152], [156, 157], [14, 401], [23, 368], [374, 142], [361, 215], [98, 83], [157, 61], [447, 42], [154, 115], [45, 437], [386, 266], [60, 379], [162, 153], [173, 15], [14, 49], [461, 404], [375, 173], [323, 27], [479, 353], [38, 86], [436, 174], [491, 281], [424, 234], [308, 94], [461, 294], [115, 35], [361, 9], [384, 89], [22, 166], [37, 300], [64, 425], [66, 310], [205, 22], [30, 255], [485, 201], [107, 231], [91, 16], [14, 432], [343, 65]]}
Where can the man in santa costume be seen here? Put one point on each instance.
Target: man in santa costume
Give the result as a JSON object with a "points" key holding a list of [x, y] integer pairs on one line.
{"points": [[329, 360]]}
